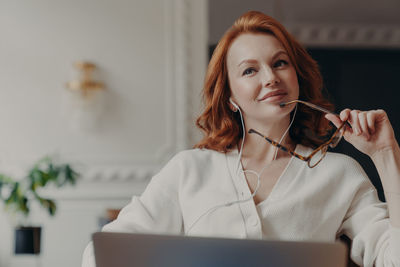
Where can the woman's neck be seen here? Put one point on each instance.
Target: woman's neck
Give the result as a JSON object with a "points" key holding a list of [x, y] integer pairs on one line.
{"points": [[258, 150]]}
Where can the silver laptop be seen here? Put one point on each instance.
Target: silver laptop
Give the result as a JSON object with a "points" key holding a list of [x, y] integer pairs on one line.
{"points": [[142, 250]]}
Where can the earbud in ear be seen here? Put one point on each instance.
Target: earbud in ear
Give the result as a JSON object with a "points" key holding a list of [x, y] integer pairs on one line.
{"points": [[234, 105]]}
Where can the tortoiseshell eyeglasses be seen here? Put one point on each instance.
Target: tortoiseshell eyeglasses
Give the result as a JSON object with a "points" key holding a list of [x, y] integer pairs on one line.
{"points": [[319, 153]]}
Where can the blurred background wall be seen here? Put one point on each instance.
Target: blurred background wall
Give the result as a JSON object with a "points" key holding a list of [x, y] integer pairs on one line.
{"points": [[151, 57]]}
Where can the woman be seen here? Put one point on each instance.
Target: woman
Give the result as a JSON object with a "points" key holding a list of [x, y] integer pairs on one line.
{"points": [[236, 184]]}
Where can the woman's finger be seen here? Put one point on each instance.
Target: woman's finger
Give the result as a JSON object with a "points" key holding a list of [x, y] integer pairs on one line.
{"points": [[371, 121], [362, 119], [334, 119], [353, 120], [344, 114]]}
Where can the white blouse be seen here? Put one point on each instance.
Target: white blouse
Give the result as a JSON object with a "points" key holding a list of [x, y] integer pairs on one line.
{"points": [[193, 195]]}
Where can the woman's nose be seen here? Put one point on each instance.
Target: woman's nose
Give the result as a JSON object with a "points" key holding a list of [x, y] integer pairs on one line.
{"points": [[270, 78]]}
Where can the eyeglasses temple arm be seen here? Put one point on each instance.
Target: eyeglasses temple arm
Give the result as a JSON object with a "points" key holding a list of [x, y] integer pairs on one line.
{"points": [[310, 105], [314, 107]]}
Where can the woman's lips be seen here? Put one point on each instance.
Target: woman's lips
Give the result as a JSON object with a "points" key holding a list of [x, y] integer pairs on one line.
{"points": [[273, 96]]}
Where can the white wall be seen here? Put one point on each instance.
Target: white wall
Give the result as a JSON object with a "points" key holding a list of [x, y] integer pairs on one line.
{"points": [[152, 57]]}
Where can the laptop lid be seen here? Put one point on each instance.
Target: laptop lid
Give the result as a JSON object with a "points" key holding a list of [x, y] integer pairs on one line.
{"points": [[143, 250]]}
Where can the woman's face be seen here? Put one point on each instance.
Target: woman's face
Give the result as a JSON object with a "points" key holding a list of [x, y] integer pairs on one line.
{"points": [[261, 77]]}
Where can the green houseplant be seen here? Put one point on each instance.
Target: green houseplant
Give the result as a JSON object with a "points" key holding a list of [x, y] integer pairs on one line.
{"points": [[18, 194]]}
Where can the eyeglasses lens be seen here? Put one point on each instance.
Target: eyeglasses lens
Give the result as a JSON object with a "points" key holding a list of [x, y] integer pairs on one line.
{"points": [[317, 157], [336, 139]]}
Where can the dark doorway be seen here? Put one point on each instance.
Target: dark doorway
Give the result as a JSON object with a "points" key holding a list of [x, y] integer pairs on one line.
{"points": [[362, 79]]}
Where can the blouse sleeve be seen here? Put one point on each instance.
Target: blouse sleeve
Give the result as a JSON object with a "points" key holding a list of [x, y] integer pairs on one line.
{"points": [[157, 210], [374, 241]]}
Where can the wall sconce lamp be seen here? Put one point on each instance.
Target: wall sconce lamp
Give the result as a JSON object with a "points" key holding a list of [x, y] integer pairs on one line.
{"points": [[86, 102], [85, 84]]}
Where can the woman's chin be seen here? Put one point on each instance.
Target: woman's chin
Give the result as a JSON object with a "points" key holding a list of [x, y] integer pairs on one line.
{"points": [[274, 115]]}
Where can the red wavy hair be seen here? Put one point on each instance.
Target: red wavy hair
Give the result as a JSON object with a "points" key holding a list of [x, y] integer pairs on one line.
{"points": [[221, 126]]}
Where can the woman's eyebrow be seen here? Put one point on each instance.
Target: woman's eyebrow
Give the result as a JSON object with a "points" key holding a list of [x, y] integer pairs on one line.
{"points": [[247, 61], [277, 54], [280, 52]]}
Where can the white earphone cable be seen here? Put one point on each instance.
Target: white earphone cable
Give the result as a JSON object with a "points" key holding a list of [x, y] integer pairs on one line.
{"points": [[243, 171]]}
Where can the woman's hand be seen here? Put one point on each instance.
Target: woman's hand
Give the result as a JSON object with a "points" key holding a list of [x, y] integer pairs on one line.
{"points": [[372, 134], [370, 131]]}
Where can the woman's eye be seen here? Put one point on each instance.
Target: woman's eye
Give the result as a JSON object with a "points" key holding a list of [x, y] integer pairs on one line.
{"points": [[248, 71], [280, 63]]}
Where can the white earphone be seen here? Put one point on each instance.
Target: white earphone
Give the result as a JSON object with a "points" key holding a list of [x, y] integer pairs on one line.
{"points": [[234, 104]]}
